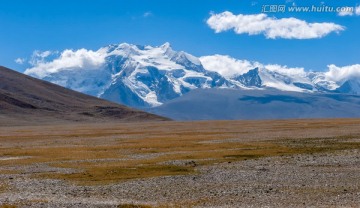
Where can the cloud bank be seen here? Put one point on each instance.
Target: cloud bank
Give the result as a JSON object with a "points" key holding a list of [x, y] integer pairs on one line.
{"points": [[270, 27], [68, 59], [228, 67], [341, 74]]}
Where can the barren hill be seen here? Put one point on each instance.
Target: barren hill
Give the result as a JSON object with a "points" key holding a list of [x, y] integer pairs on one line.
{"points": [[26, 100]]}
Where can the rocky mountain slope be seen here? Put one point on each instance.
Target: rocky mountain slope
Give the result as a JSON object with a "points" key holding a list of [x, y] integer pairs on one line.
{"points": [[26, 100]]}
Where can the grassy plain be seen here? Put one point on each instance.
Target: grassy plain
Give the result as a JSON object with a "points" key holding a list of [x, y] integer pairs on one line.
{"points": [[109, 153]]}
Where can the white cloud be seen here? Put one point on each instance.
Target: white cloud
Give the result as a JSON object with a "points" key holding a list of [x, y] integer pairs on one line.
{"points": [[346, 11], [147, 14], [285, 70], [228, 66], [357, 10], [40, 56], [20, 61], [341, 74], [270, 27], [68, 59]]}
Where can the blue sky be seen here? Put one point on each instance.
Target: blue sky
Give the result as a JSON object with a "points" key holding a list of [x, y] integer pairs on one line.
{"points": [[73, 24]]}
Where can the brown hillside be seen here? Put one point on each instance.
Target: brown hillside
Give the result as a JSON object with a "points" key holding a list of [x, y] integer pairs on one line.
{"points": [[26, 100]]}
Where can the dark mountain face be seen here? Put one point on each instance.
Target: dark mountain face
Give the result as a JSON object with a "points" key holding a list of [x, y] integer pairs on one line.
{"points": [[250, 79], [26, 100], [350, 87], [225, 104]]}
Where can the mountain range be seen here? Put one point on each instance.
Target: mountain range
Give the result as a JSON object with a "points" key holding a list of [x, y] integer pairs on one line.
{"points": [[146, 76], [180, 86]]}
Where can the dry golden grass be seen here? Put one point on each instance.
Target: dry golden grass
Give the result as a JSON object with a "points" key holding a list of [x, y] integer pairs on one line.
{"points": [[7, 206], [107, 153]]}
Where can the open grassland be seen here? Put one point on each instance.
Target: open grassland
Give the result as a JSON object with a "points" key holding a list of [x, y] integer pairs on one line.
{"points": [[103, 154], [112, 153]]}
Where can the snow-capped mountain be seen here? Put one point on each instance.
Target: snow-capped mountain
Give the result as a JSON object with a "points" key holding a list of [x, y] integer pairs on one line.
{"points": [[138, 76], [146, 76]]}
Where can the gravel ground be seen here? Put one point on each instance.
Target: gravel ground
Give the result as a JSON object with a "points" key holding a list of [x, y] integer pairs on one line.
{"points": [[317, 180]]}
